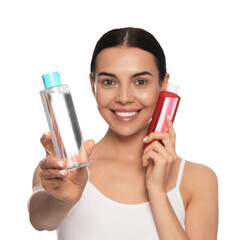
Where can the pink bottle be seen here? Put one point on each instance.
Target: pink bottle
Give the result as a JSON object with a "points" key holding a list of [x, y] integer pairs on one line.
{"points": [[167, 104]]}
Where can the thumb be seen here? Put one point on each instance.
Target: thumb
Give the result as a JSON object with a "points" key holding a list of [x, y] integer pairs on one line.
{"points": [[89, 146], [46, 141]]}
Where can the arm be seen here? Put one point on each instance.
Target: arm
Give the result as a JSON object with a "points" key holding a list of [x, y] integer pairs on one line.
{"points": [[202, 210], [55, 190], [167, 224], [46, 212]]}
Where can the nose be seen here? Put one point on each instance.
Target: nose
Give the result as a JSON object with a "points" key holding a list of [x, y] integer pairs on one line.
{"points": [[124, 95]]}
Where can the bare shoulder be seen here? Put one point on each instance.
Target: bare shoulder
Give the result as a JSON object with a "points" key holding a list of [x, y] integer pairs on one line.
{"points": [[201, 218], [199, 177]]}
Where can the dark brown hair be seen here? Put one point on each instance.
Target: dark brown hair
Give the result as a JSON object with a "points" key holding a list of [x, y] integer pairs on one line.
{"points": [[131, 37]]}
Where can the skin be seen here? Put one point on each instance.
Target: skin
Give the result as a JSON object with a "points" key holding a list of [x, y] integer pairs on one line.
{"points": [[128, 78]]}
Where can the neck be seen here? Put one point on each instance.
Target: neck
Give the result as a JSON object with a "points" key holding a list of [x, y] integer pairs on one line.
{"points": [[124, 148]]}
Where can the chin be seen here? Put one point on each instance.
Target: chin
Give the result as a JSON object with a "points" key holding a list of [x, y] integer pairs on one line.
{"points": [[129, 132]]}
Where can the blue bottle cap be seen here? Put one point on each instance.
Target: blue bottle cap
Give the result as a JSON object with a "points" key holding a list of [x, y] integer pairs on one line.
{"points": [[51, 80]]}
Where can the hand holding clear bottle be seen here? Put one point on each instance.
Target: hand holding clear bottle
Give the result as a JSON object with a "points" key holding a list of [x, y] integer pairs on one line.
{"points": [[56, 179]]}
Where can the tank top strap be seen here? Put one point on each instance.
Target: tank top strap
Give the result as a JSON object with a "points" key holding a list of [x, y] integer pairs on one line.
{"points": [[88, 172], [180, 173]]}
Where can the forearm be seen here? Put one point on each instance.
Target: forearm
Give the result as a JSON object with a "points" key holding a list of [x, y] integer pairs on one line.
{"points": [[167, 224], [46, 212]]}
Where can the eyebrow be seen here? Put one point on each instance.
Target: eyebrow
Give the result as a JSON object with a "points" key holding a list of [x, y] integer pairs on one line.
{"points": [[114, 76], [141, 73], [106, 74]]}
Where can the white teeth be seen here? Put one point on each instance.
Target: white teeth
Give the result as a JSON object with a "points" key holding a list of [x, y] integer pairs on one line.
{"points": [[126, 114]]}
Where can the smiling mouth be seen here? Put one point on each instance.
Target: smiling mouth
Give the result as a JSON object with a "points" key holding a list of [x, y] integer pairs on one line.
{"points": [[126, 114]]}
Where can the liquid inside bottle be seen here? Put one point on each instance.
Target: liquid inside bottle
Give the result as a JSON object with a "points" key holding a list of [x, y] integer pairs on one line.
{"points": [[63, 123]]}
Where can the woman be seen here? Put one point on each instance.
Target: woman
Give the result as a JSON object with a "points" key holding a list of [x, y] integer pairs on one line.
{"points": [[126, 192]]}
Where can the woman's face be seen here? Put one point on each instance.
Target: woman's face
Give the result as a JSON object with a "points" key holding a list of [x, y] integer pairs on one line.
{"points": [[126, 88]]}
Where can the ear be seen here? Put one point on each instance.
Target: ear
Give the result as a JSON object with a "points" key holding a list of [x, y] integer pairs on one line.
{"points": [[92, 83], [165, 82]]}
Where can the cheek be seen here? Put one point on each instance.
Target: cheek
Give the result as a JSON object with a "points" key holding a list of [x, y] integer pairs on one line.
{"points": [[149, 98], [102, 98]]}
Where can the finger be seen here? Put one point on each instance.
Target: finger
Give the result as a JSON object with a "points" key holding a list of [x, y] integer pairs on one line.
{"points": [[89, 146], [52, 162], [166, 140], [152, 136], [47, 143], [158, 148], [53, 173], [85, 150], [155, 146], [171, 128], [149, 156], [158, 158], [164, 137]]}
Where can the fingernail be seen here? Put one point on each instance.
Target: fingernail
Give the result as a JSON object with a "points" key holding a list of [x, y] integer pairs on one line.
{"points": [[144, 139], [46, 133], [60, 164], [62, 172], [169, 117]]}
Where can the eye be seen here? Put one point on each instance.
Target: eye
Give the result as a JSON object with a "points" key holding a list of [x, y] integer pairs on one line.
{"points": [[108, 82], [141, 82]]}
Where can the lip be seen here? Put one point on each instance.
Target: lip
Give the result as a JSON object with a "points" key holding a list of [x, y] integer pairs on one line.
{"points": [[125, 110], [127, 118]]}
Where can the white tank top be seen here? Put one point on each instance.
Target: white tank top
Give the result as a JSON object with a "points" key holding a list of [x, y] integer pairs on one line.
{"points": [[96, 216]]}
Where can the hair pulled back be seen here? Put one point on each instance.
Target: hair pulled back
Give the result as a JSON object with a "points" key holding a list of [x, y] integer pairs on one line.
{"points": [[131, 37]]}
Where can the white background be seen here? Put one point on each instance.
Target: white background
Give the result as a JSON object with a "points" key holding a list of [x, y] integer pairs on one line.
{"points": [[207, 49]]}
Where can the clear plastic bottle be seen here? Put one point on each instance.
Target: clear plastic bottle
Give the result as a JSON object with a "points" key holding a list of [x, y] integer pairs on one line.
{"points": [[63, 123]]}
